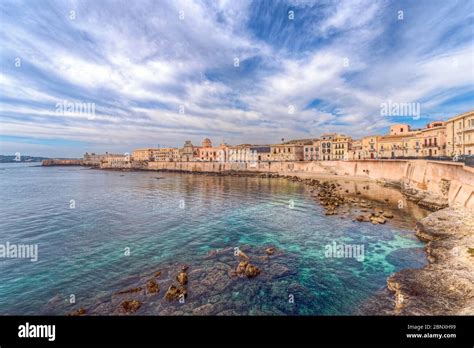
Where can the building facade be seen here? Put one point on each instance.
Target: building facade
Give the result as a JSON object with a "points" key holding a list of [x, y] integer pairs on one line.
{"points": [[311, 151], [433, 139], [286, 152], [460, 134], [326, 146], [340, 147], [165, 154], [143, 154]]}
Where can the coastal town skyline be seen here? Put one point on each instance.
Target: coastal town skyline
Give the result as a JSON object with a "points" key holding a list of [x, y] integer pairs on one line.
{"points": [[84, 76]]}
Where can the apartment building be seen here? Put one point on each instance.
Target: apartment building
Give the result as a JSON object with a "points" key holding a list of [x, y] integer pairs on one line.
{"points": [[340, 146], [311, 151], [460, 134]]}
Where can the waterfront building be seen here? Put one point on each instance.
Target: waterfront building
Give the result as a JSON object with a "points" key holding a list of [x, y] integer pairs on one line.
{"points": [[189, 152], [286, 152], [92, 159], [433, 139], [116, 159], [241, 153], [340, 145], [262, 153], [311, 151], [396, 143], [165, 154], [370, 147], [356, 152], [209, 153], [460, 134], [143, 154], [326, 146]]}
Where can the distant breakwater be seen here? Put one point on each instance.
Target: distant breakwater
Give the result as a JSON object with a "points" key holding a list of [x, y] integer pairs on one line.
{"points": [[62, 162]]}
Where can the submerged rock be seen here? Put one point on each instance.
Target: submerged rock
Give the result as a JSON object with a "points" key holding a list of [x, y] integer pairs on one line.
{"points": [[206, 309], [270, 250]]}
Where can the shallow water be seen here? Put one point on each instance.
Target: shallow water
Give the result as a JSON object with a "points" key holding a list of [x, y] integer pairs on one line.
{"points": [[179, 218]]}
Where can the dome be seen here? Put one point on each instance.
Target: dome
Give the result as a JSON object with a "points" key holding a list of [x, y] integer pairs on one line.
{"points": [[206, 142]]}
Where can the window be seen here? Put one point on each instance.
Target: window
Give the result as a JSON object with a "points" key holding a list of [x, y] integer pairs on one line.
{"points": [[401, 130]]}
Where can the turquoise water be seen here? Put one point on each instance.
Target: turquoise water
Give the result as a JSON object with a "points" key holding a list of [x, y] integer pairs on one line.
{"points": [[81, 251]]}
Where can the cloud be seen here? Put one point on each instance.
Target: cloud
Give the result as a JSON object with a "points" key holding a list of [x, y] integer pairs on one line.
{"points": [[141, 64]]}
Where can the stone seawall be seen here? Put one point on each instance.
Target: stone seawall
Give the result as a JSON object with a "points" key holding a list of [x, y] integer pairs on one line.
{"points": [[449, 181]]}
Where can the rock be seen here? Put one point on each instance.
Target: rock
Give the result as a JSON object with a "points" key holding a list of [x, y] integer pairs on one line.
{"points": [[363, 218], [218, 277], [433, 202], [244, 268], [270, 250], [182, 278], [278, 270], [241, 267], [175, 293], [377, 220], [184, 268], [252, 271], [131, 306], [152, 287], [81, 311], [387, 215], [157, 274]]}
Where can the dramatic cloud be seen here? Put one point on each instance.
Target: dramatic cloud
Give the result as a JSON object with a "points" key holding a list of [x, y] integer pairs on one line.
{"points": [[161, 72]]}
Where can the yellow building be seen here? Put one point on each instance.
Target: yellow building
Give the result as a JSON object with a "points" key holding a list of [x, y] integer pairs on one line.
{"points": [[370, 147], [143, 154], [401, 142], [460, 134], [341, 144]]}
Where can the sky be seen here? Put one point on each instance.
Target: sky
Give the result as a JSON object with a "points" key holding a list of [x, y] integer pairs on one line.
{"points": [[157, 73]]}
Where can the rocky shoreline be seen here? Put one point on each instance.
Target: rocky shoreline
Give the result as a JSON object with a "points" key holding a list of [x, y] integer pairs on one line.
{"points": [[443, 287], [446, 285]]}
